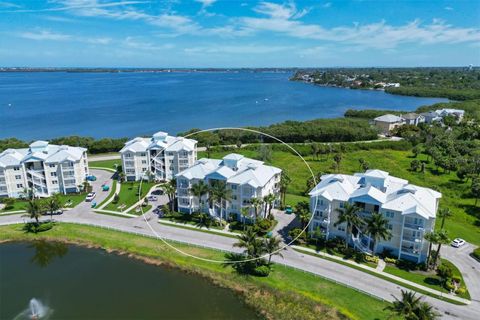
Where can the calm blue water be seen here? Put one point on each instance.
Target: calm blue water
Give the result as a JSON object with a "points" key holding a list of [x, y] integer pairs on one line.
{"points": [[47, 105]]}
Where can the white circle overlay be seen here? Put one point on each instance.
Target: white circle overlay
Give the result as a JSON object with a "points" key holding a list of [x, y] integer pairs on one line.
{"points": [[164, 240]]}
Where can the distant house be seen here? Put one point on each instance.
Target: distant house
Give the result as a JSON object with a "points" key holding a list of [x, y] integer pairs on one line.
{"points": [[457, 113], [413, 118], [431, 117], [388, 122]]}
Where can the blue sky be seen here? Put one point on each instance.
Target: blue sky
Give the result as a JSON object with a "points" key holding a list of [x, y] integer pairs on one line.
{"points": [[229, 33]]}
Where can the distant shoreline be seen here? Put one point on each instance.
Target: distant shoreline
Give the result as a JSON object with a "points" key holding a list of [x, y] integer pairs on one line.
{"points": [[146, 70]]}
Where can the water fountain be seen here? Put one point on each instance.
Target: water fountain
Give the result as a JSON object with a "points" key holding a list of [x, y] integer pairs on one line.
{"points": [[36, 310]]}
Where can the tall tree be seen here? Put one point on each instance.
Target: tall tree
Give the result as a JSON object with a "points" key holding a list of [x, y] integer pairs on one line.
{"points": [[442, 239], [432, 238], [406, 307], [349, 215], [272, 246], [245, 212], [256, 204], [254, 247], [269, 201], [53, 204], [34, 209], [284, 182], [170, 189], [199, 190], [443, 214], [222, 195], [377, 227]]}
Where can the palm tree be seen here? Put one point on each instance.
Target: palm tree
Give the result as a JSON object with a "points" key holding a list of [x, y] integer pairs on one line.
{"points": [[443, 214], [348, 215], [248, 240], [245, 212], [53, 204], [269, 202], [256, 204], [221, 194], [34, 209], [284, 182], [377, 227], [426, 312], [442, 239], [432, 238], [169, 188], [199, 190], [405, 307], [28, 193], [272, 246]]}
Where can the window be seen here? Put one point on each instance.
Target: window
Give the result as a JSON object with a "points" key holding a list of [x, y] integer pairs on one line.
{"points": [[234, 187], [390, 226], [18, 177], [16, 168], [53, 174], [389, 214], [144, 169], [51, 165], [54, 182], [342, 204], [341, 228], [143, 154], [144, 161], [19, 185]]}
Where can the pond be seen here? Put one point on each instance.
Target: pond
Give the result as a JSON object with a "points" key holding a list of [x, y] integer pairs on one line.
{"points": [[58, 281]]}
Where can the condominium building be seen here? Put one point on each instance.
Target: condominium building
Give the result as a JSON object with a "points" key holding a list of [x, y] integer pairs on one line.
{"points": [[245, 178], [45, 168], [160, 157], [410, 210]]}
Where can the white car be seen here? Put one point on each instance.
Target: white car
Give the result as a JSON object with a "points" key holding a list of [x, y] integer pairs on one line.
{"points": [[90, 196], [457, 243]]}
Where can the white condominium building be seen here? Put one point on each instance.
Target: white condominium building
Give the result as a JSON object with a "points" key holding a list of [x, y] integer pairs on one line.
{"points": [[245, 178], [410, 209], [45, 168], [160, 157]]}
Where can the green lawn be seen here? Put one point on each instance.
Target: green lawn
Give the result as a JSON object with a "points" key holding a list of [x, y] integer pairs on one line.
{"points": [[74, 198], [109, 164], [430, 279], [129, 194], [285, 294], [17, 206], [465, 221]]}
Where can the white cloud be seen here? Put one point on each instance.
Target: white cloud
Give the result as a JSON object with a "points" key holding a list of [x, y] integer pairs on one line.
{"points": [[4, 4], [135, 43], [327, 5], [44, 35], [236, 49], [448, 8]]}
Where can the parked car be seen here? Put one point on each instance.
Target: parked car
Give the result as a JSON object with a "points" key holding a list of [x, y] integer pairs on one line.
{"points": [[152, 198], [288, 210], [90, 196], [457, 243], [91, 178]]}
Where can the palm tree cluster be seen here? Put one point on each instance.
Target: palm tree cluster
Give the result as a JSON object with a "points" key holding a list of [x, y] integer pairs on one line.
{"points": [[376, 225], [217, 195], [437, 237], [410, 307], [255, 250], [38, 207]]}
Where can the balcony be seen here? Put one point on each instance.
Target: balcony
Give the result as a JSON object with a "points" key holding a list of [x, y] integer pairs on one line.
{"points": [[410, 250], [411, 239], [413, 226]]}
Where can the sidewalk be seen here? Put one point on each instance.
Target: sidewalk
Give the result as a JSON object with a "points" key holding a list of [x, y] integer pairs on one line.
{"points": [[186, 225], [383, 274]]}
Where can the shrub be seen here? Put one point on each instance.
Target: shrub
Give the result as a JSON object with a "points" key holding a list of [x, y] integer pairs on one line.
{"points": [[371, 258], [390, 260], [461, 290], [476, 254], [9, 203], [444, 271], [261, 271], [116, 198], [294, 233], [449, 286], [264, 225]]}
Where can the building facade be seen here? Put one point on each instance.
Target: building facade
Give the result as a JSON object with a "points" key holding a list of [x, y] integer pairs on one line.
{"points": [[410, 210], [44, 168], [388, 122], [244, 178], [160, 157]]}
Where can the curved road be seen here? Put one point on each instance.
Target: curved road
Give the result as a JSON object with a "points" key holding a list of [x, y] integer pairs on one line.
{"points": [[351, 277]]}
